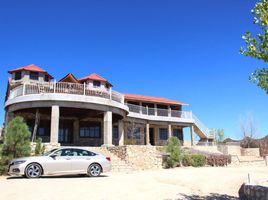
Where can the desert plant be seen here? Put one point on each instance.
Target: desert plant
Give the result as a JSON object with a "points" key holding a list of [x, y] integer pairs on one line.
{"points": [[173, 148], [216, 160], [39, 147]]}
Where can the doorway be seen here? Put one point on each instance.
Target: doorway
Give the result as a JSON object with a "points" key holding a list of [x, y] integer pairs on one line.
{"points": [[151, 133]]}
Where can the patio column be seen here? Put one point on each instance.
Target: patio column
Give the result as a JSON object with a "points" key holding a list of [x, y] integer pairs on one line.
{"points": [[76, 131], [108, 128], [121, 132], [192, 135], [8, 117], [169, 131], [54, 124], [148, 134]]}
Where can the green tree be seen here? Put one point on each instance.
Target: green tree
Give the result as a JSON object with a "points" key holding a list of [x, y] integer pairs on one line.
{"points": [[17, 139], [219, 135], [257, 45], [174, 149], [39, 148]]}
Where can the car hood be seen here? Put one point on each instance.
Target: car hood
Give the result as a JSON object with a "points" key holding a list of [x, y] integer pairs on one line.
{"points": [[29, 158]]}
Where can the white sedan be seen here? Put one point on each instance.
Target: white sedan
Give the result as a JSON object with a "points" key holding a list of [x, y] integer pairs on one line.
{"points": [[61, 161]]}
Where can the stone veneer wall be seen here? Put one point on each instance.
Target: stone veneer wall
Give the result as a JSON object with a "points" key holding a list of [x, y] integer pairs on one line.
{"points": [[255, 192], [250, 152]]}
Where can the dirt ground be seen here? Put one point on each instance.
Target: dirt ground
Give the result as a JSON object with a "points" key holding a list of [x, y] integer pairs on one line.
{"points": [[206, 182]]}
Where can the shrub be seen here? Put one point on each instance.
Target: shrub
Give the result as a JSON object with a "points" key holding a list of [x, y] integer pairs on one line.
{"points": [[218, 160], [195, 160], [173, 148], [39, 147]]}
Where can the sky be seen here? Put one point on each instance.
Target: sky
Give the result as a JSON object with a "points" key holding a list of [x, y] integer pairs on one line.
{"points": [[182, 50]]}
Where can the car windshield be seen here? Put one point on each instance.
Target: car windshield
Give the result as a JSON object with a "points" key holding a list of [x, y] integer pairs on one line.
{"points": [[49, 152]]}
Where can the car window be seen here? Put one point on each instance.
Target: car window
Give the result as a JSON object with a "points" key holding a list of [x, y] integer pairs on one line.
{"points": [[63, 152], [82, 152]]}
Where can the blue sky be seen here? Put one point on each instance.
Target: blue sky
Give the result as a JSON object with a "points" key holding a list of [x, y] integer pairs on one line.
{"points": [[184, 50]]}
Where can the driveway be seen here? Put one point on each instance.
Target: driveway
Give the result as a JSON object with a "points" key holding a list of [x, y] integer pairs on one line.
{"points": [[156, 184]]}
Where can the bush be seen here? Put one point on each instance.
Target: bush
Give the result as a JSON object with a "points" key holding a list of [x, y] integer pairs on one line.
{"points": [[173, 148], [218, 160], [39, 147], [195, 160], [16, 142]]}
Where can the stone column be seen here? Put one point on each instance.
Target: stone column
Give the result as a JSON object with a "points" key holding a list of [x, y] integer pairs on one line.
{"points": [[121, 132], [192, 135], [108, 128], [148, 134], [54, 124], [76, 132], [169, 131]]}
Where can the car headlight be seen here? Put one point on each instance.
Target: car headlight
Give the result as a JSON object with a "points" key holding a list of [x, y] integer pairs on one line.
{"points": [[19, 162]]}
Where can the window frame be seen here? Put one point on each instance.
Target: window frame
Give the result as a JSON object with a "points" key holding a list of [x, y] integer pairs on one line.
{"points": [[96, 84], [16, 74]]}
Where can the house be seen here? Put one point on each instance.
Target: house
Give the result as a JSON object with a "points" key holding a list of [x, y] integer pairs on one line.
{"points": [[89, 112]]}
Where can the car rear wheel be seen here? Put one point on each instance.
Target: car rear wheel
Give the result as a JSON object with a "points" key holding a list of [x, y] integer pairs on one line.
{"points": [[94, 170], [33, 170]]}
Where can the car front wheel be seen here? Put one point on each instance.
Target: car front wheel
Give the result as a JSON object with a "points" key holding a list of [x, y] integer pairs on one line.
{"points": [[94, 170], [33, 170]]}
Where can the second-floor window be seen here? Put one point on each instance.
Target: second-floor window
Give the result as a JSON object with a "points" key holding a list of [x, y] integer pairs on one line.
{"points": [[17, 75], [96, 83], [34, 76]]}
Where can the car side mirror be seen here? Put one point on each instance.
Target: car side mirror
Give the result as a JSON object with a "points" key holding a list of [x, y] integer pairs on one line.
{"points": [[53, 156]]}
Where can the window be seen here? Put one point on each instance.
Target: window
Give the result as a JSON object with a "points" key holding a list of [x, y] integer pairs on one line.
{"points": [[63, 152], [90, 132], [133, 133], [17, 75], [163, 133], [96, 83], [46, 78], [115, 132], [178, 133], [34, 75], [41, 131]]}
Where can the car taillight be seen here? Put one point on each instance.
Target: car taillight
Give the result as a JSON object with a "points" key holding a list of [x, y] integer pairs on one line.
{"points": [[108, 158]]}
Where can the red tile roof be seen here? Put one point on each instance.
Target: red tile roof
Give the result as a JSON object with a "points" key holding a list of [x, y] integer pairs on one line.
{"points": [[32, 68], [143, 98], [94, 76]]}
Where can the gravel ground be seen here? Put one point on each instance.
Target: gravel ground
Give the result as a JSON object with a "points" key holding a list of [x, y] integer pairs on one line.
{"points": [[179, 183]]}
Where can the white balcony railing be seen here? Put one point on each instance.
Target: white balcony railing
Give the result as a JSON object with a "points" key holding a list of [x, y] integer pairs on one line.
{"points": [[159, 112], [62, 87]]}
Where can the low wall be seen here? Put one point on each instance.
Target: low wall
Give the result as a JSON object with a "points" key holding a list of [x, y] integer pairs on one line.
{"points": [[255, 192], [250, 152]]}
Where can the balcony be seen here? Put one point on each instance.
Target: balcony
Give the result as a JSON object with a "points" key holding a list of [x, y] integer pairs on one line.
{"points": [[159, 114], [62, 88]]}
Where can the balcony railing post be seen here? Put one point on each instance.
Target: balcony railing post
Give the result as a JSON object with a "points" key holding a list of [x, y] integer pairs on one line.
{"points": [[169, 111], [191, 115], [155, 109], [110, 93], [147, 110], [54, 91], [84, 88], [23, 89]]}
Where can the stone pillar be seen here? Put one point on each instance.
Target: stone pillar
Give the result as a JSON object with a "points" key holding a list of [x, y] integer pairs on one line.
{"points": [[121, 132], [169, 131], [108, 128], [76, 132], [54, 124], [192, 135], [148, 134]]}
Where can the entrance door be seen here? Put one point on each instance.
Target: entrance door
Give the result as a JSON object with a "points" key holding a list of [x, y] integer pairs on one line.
{"points": [[65, 131], [151, 133]]}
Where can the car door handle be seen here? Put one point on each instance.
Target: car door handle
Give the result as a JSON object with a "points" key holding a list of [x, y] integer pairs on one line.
{"points": [[68, 158], [88, 158]]}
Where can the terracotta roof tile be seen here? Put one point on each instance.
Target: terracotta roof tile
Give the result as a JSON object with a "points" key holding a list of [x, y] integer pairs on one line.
{"points": [[94, 76], [138, 97], [32, 68]]}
